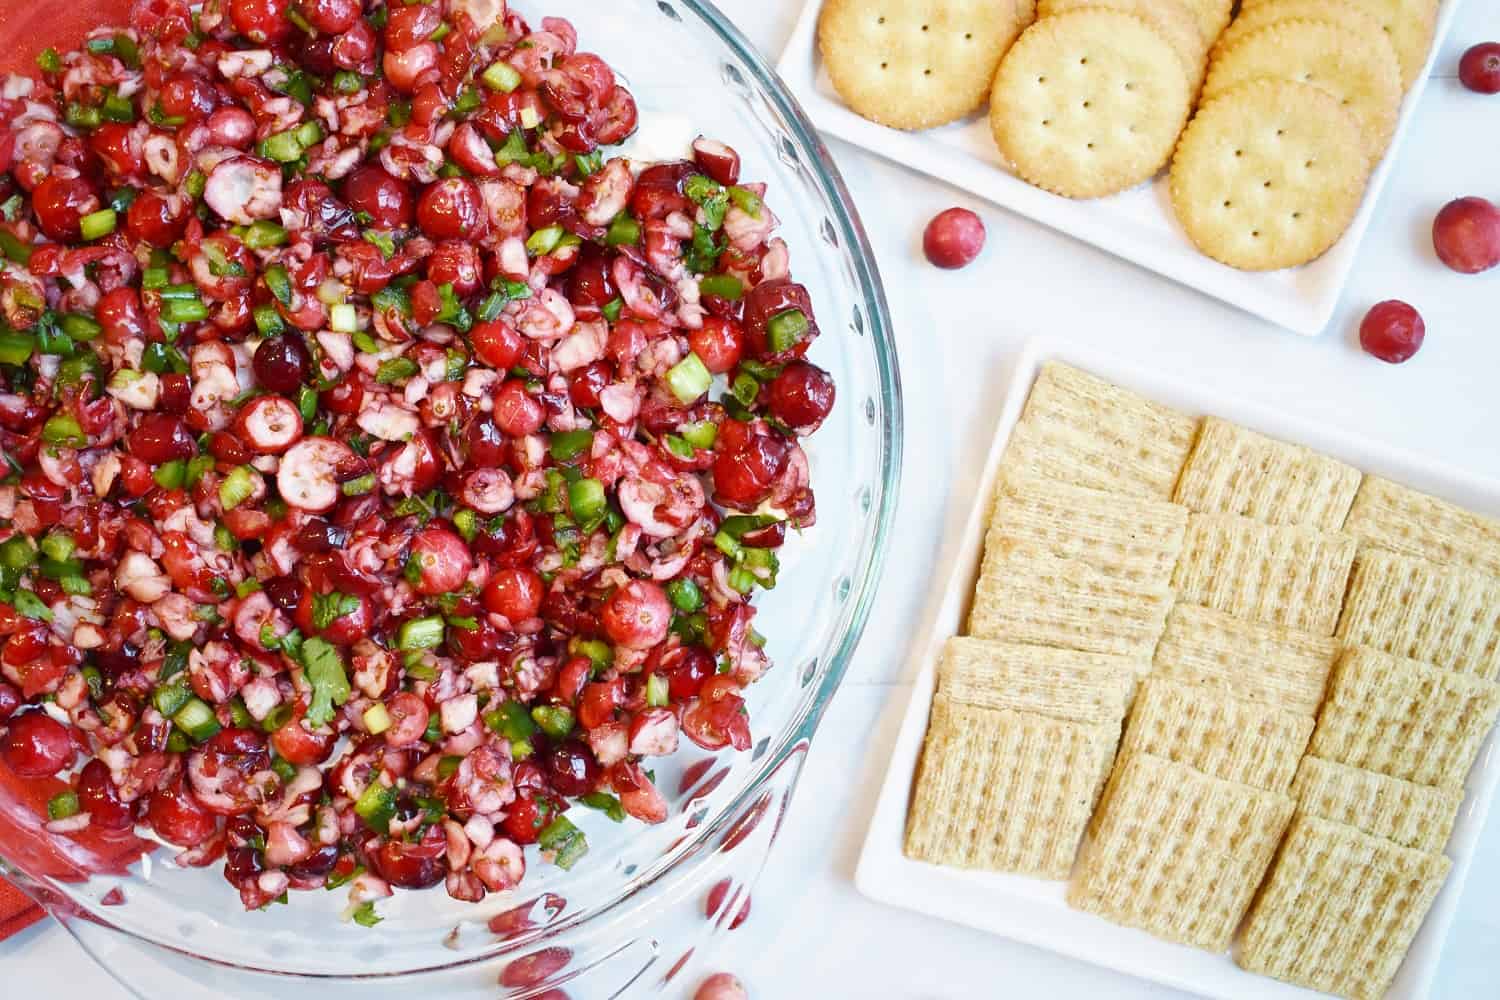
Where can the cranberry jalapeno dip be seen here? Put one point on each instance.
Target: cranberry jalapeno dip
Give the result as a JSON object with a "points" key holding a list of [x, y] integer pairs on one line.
{"points": [[367, 503]]}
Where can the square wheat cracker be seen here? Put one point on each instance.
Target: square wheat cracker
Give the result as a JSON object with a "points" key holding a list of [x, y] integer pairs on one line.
{"points": [[1005, 791], [1081, 429], [1133, 538], [1061, 683], [1340, 909], [1234, 470], [1178, 853], [1045, 601], [1417, 816], [1269, 664], [1410, 607], [1399, 519], [1277, 574], [1222, 736], [1404, 718]]}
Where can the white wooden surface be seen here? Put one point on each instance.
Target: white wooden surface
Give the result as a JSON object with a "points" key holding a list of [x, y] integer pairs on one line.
{"points": [[810, 934]]}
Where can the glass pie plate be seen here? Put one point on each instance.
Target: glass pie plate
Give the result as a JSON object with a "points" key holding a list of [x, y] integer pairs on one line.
{"points": [[628, 913]]}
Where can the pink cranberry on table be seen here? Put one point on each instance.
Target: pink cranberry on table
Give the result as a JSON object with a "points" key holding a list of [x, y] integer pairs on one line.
{"points": [[721, 986], [1479, 69], [1466, 235], [1392, 331], [953, 238]]}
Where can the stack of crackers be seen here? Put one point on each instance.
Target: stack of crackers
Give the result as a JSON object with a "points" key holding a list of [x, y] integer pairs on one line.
{"points": [[1228, 685], [1088, 98]]}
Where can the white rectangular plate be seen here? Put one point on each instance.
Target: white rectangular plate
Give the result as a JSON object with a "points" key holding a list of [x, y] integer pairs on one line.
{"points": [[1034, 911], [1137, 225]]}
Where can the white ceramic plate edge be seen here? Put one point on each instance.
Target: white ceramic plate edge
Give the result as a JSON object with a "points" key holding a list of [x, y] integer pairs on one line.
{"points": [[1301, 300], [1034, 911]]}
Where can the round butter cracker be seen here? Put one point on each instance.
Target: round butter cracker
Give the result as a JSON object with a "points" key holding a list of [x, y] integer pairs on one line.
{"points": [[1342, 12], [1089, 102], [1268, 175], [1170, 17], [1409, 24], [915, 64], [1365, 79]]}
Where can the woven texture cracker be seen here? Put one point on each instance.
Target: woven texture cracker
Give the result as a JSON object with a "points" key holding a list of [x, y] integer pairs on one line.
{"points": [[1225, 737], [1417, 816], [1399, 519], [1067, 604], [1261, 663], [1178, 853], [1081, 429], [1064, 684], [1233, 470], [1410, 607], [1277, 574], [1005, 791], [1132, 538], [1403, 718], [1340, 909]]}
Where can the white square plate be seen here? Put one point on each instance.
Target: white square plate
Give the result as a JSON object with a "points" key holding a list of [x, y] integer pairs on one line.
{"points": [[1034, 911], [1137, 225]]}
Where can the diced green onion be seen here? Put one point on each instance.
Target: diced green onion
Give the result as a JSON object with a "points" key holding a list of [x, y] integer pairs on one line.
{"points": [[277, 718], [74, 370], [727, 544], [359, 487], [82, 116], [16, 347], [118, 109], [510, 720], [30, 606], [263, 234], [195, 183], [501, 76], [747, 201], [309, 134], [51, 340], [183, 310], [565, 840], [741, 579], [398, 113], [63, 430], [97, 224], [155, 278], [239, 715], [376, 805], [597, 651], [685, 595], [58, 545], [529, 118], [376, 719], [689, 379], [169, 698], [623, 231], [467, 523], [555, 720], [395, 369], [513, 150], [586, 500], [701, 434], [63, 805], [196, 467], [725, 286], [267, 319], [170, 475], [197, 720], [49, 61], [420, 633], [569, 444], [238, 486], [347, 82], [14, 247], [127, 51], [279, 283], [785, 330], [343, 319], [656, 690], [17, 553], [283, 147], [543, 241], [678, 446]]}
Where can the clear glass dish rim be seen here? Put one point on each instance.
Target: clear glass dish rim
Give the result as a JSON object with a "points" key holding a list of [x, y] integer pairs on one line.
{"points": [[865, 585]]}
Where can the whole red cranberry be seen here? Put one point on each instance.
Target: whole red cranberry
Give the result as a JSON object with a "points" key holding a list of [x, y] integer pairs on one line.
{"points": [[1466, 235], [1479, 69], [953, 238], [1392, 331]]}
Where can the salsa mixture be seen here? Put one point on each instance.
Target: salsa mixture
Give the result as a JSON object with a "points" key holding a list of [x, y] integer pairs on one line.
{"points": [[388, 465]]}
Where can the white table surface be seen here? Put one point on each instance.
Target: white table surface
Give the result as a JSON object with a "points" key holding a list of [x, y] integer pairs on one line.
{"points": [[810, 933]]}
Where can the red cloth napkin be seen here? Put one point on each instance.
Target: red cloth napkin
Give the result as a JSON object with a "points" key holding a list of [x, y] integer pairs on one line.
{"points": [[17, 912]]}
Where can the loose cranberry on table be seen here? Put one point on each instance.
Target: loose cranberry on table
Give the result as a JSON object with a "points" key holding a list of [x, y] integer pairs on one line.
{"points": [[1392, 331], [1479, 68], [1466, 235], [953, 238], [721, 986]]}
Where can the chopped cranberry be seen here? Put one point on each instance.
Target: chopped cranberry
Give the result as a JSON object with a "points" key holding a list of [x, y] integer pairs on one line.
{"points": [[386, 200], [746, 465], [718, 160], [37, 745], [331, 17], [518, 412], [572, 769], [637, 615], [497, 344], [411, 866], [1392, 331], [119, 313], [718, 344], [60, 203], [296, 744], [101, 800], [515, 592], [441, 559], [588, 382], [160, 438], [178, 818], [801, 396], [344, 396], [156, 219], [261, 20], [451, 209], [689, 669], [526, 818], [777, 300]]}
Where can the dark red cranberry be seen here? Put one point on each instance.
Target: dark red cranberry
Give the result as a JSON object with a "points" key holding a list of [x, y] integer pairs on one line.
{"points": [[156, 219], [801, 396], [60, 203], [746, 464], [385, 199], [10, 701], [451, 208], [284, 591], [320, 862], [37, 745], [161, 438], [768, 301], [241, 864], [281, 364], [588, 382], [101, 800], [688, 672], [571, 768], [177, 817]]}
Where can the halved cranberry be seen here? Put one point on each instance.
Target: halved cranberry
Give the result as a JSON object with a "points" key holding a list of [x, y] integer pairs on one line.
{"points": [[441, 559], [526, 817], [764, 303], [689, 668], [296, 744], [451, 208], [497, 344], [718, 160], [242, 864], [719, 343], [637, 615], [588, 381], [456, 263], [118, 149], [37, 745], [320, 862], [345, 396], [60, 203], [801, 396], [515, 592], [412, 866], [190, 96], [411, 25], [261, 20], [518, 412], [119, 312], [177, 817], [156, 219], [746, 464]]}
